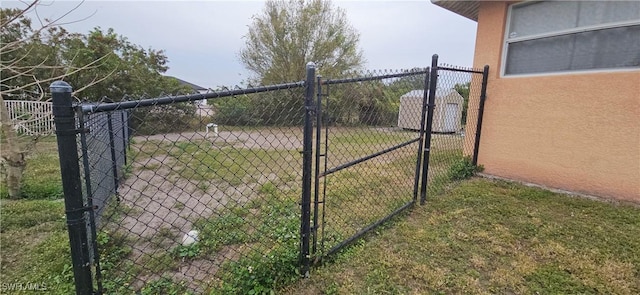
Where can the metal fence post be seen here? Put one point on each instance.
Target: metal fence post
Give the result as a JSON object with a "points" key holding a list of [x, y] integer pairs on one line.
{"points": [[433, 83], [316, 181], [66, 131], [124, 135], [307, 155], [114, 159], [423, 119], [483, 97]]}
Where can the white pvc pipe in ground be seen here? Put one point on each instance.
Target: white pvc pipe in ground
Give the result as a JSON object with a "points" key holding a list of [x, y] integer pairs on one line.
{"points": [[215, 129]]}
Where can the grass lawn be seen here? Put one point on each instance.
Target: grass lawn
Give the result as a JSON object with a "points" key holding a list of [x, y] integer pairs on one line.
{"points": [[35, 246], [479, 237], [492, 237], [41, 179]]}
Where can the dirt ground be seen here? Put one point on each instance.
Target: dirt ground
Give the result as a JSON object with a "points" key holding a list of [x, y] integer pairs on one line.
{"points": [[161, 207]]}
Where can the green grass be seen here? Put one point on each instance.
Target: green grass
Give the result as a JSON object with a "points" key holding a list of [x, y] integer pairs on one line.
{"points": [[35, 245], [41, 179], [199, 161], [479, 237], [493, 237], [272, 235]]}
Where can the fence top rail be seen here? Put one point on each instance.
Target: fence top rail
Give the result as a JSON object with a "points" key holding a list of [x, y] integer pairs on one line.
{"points": [[112, 106], [459, 69], [370, 78]]}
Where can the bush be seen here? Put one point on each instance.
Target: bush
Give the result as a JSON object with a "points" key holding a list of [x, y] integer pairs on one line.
{"points": [[235, 111], [177, 117], [267, 109], [463, 168]]}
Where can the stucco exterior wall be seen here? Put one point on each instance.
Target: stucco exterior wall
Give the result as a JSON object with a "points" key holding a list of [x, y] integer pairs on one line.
{"points": [[577, 132]]}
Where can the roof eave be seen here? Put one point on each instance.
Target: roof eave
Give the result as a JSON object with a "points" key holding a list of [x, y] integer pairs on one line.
{"points": [[468, 9]]}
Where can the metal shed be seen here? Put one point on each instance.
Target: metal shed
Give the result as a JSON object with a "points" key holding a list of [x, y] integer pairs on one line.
{"points": [[447, 112]]}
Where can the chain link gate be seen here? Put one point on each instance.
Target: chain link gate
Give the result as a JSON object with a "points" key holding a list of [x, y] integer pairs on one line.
{"points": [[366, 166], [369, 166], [318, 164]]}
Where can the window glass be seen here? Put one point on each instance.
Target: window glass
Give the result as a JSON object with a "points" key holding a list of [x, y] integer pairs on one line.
{"points": [[602, 12], [553, 16], [597, 49], [542, 17]]}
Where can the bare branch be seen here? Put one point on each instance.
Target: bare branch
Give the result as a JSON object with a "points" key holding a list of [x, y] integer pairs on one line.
{"points": [[23, 12]]}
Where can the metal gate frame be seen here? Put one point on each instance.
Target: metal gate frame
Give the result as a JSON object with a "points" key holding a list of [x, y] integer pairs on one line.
{"points": [[313, 110]]}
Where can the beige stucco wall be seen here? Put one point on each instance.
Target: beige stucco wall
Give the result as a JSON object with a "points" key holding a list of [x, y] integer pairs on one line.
{"points": [[577, 132]]}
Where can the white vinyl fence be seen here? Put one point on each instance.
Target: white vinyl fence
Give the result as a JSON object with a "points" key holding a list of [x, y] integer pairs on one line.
{"points": [[31, 117]]}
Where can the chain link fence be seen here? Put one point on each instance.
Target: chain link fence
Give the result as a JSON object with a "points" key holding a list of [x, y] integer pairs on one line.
{"points": [[209, 204], [104, 144], [272, 179], [458, 103]]}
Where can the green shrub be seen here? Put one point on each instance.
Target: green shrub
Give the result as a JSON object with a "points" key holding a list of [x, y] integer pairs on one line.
{"points": [[463, 168], [177, 117], [236, 111]]}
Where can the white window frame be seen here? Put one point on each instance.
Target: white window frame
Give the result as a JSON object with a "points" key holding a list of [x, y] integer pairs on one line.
{"points": [[506, 41]]}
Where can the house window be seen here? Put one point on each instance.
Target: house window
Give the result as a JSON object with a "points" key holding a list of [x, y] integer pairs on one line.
{"points": [[564, 36]]}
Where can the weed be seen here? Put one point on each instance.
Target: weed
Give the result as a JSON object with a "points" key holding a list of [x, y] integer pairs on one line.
{"points": [[163, 238], [164, 286], [203, 185], [261, 271], [268, 189], [151, 166], [117, 271], [272, 232], [187, 251], [179, 205], [227, 229], [159, 262]]}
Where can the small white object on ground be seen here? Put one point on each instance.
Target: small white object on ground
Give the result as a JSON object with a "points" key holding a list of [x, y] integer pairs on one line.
{"points": [[215, 129], [190, 238]]}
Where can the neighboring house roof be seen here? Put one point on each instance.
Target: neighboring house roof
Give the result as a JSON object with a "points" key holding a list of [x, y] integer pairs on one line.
{"points": [[194, 86], [468, 9]]}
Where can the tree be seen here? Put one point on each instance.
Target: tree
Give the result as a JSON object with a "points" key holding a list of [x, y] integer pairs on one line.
{"points": [[33, 54], [28, 62], [288, 34], [281, 40]]}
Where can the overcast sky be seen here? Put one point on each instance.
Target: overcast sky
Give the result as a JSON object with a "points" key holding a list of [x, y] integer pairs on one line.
{"points": [[202, 38]]}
